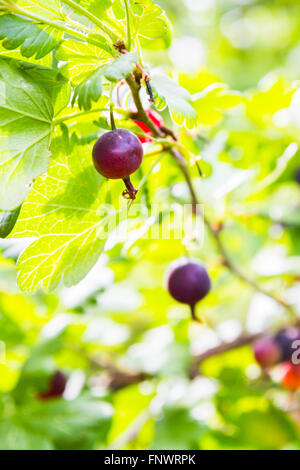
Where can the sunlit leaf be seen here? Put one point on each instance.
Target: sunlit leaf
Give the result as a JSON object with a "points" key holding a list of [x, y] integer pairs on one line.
{"points": [[64, 211], [35, 40], [25, 116], [176, 97]]}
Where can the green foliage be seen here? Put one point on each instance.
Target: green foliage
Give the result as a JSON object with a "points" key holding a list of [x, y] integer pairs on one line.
{"points": [[91, 88], [8, 221], [75, 426], [34, 40], [167, 435], [175, 97], [26, 113], [121, 67]]}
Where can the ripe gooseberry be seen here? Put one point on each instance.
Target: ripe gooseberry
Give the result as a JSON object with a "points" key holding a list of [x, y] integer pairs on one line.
{"points": [[116, 155], [188, 282], [285, 339], [266, 351], [56, 386], [155, 118]]}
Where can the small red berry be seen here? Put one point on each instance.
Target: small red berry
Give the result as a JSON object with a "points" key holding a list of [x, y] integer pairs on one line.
{"points": [[156, 119], [290, 378], [266, 351], [143, 139]]}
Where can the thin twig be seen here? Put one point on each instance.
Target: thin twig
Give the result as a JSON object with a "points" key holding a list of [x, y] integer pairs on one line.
{"points": [[242, 340]]}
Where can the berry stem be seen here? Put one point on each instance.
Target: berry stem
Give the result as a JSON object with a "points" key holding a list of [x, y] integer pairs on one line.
{"points": [[112, 119], [193, 313], [111, 110], [68, 117], [130, 191]]}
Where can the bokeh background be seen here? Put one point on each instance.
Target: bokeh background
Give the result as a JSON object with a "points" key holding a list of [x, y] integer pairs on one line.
{"points": [[124, 345]]}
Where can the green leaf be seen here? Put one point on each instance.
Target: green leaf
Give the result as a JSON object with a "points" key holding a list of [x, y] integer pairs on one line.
{"points": [[211, 103], [72, 418], [59, 424], [10, 332], [47, 8], [34, 39], [97, 7], [177, 429], [150, 24], [52, 81], [63, 210], [26, 113], [253, 426], [167, 92], [89, 90], [81, 59], [7, 221], [121, 67], [16, 437]]}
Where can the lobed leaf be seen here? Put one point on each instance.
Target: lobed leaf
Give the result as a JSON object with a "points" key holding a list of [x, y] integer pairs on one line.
{"points": [[211, 103], [177, 98], [26, 113], [121, 67], [90, 89], [81, 59], [36, 40]]}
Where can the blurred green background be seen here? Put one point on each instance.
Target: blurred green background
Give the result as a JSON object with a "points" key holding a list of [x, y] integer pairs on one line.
{"points": [[123, 343]]}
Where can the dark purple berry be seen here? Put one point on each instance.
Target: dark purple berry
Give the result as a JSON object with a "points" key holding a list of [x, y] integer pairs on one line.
{"points": [[285, 339], [266, 351], [56, 386], [188, 282], [116, 155], [297, 175]]}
